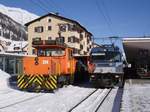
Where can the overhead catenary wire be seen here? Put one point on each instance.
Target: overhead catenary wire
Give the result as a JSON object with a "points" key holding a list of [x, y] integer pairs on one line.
{"points": [[106, 12], [46, 4], [58, 7], [40, 6], [104, 16]]}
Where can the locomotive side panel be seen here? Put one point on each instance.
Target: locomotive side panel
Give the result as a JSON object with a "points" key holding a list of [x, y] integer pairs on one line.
{"points": [[47, 72]]}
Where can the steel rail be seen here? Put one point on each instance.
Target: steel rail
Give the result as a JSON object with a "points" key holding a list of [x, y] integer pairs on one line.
{"points": [[100, 104], [82, 100]]}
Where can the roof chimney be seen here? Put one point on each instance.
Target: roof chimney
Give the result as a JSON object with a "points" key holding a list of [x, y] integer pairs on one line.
{"points": [[57, 13]]}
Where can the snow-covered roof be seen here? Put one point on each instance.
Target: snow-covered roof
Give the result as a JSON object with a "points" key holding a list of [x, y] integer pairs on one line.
{"points": [[13, 54], [13, 44], [136, 39]]}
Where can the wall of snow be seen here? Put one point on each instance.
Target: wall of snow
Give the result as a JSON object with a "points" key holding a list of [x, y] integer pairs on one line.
{"points": [[4, 80]]}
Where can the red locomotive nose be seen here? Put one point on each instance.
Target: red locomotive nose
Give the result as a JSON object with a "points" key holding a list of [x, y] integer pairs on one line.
{"points": [[91, 67]]}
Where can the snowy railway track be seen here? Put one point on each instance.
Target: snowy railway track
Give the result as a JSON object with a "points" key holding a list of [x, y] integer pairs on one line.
{"points": [[82, 100], [103, 99], [97, 96], [21, 101]]}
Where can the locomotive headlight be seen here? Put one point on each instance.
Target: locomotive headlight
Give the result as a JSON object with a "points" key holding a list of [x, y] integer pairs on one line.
{"points": [[92, 76], [116, 76], [101, 70], [110, 64]]}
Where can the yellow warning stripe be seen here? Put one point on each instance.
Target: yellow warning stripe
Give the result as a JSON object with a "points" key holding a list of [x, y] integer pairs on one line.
{"points": [[54, 80], [20, 83], [36, 80], [30, 79], [40, 78], [20, 78], [50, 85], [53, 84], [24, 81]]}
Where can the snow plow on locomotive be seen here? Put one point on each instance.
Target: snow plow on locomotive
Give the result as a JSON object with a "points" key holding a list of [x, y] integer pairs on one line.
{"points": [[53, 66], [106, 66]]}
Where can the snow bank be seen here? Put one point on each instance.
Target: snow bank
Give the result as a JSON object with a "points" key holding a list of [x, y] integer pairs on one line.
{"points": [[136, 96], [4, 79]]}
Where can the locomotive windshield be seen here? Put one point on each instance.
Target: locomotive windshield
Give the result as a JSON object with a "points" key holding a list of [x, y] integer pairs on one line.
{"points": [[110, 56], [51, 52]]}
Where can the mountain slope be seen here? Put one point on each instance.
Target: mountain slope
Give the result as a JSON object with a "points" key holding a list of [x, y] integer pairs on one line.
{"points": [[18, 14]]}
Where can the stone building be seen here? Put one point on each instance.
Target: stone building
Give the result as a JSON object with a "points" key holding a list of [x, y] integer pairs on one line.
{"points": [[55, 27]]}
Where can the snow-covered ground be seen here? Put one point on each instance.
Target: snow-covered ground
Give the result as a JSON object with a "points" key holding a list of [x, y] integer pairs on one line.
{"points": [[108, 105], [61, 100], [136, 97], [4, 80]]}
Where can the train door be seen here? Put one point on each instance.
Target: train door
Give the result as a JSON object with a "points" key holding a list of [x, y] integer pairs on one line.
{"points": [[71, 65]]}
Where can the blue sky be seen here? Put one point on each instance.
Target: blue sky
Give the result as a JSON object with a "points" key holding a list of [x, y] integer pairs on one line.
{"points": [[103, 18]]}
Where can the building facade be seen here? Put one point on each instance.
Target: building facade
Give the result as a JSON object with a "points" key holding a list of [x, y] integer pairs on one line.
{"points": [[55, 27]]}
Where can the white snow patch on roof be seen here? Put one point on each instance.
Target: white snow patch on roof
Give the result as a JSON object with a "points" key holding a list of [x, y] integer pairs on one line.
{"points": [[4, 42], [136, 39]]}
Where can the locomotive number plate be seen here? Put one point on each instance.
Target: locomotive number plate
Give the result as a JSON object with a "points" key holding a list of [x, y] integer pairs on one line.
{"points": [[45, 62]]}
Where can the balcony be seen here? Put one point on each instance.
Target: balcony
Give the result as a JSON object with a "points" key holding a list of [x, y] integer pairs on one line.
{"points": [[47, 42]]}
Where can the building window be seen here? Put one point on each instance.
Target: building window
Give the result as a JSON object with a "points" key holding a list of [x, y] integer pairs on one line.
{"points": [[33, 51], [90, 46], [62, 28], [38, 29], [0, 32], [88, 49], [49, 20], [81, 37], [88, 40], [81, 46], [73, 39], [49, 28], [72, 27], [85, 53], [36, 39], [60, 39], [75, 51], [49, 38]]}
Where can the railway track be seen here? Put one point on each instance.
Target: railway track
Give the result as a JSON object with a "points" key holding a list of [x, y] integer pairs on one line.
{"points": [[21, 101], [82, 100], [103, 99], [90, 95]]}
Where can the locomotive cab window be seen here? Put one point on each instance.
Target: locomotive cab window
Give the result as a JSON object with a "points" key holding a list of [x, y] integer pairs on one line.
{"points": [[112, 57], [51, 52]]}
